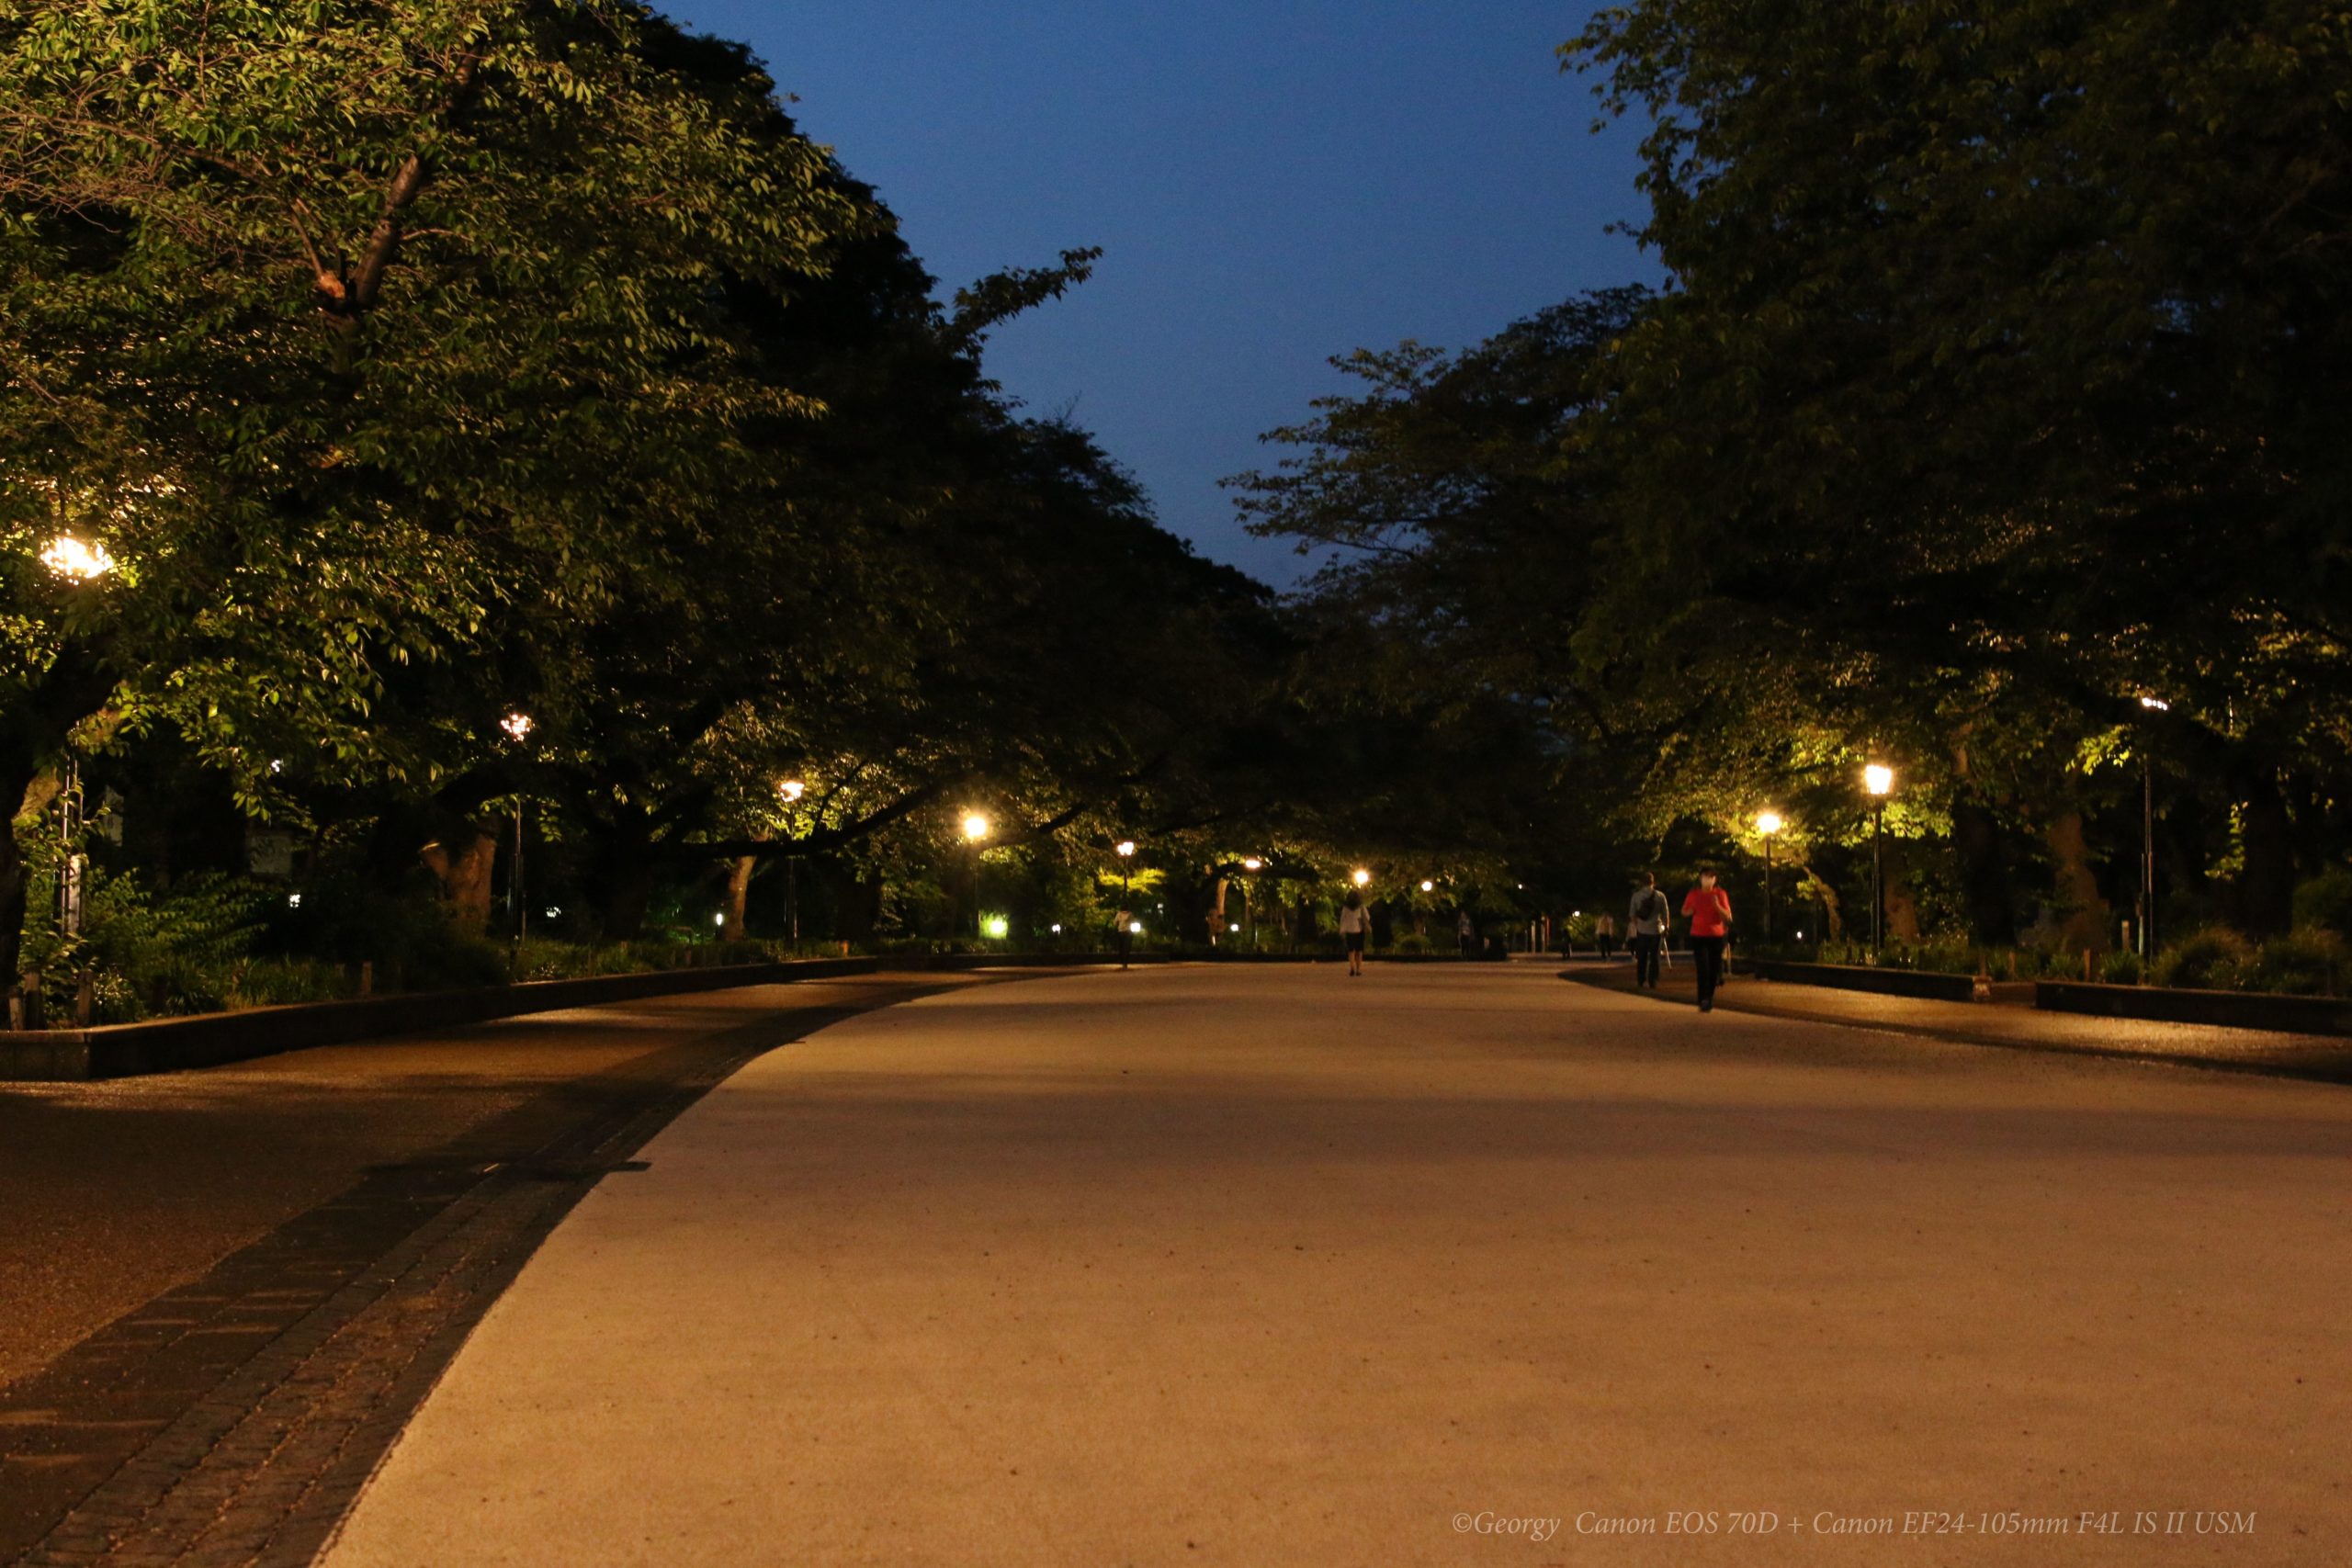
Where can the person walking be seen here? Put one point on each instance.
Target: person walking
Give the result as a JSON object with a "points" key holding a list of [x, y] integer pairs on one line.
{"points": [[1355, 921], [1468, 931], [1604, 935], [1709, 907], [1646, 929]]}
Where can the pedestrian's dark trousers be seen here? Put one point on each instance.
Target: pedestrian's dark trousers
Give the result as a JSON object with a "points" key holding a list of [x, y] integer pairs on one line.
{"points": [[1644, 960], [1708, 951]]}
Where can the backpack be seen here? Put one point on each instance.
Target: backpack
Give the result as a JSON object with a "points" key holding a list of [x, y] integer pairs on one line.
{"points": [[1650, 905]]}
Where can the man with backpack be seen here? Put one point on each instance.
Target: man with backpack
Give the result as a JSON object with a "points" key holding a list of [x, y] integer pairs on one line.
{"points": [[1646, 929]]}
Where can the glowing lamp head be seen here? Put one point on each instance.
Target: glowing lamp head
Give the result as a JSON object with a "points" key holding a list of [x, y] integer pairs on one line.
{"points": [[1879, 778], [1135, 927], [2156, 705], [1427, 886], [976, 826], [998, 927], [1253, 863], [1362, 878], [1768, 823], [83, 559], [516, 725], [792, 789], [1127, 847]]}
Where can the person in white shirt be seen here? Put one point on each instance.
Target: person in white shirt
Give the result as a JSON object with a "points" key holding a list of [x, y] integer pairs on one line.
{"points": [[1646, 929], [1355, 921]]}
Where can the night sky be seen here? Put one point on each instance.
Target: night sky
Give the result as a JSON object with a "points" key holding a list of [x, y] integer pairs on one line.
{"points": [[1274, 182]]}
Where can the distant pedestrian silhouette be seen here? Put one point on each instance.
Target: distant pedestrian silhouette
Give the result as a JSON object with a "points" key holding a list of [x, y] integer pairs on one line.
{"points": [[1709, 907], [1604, 935], [1355, 921], [1646, 929]]}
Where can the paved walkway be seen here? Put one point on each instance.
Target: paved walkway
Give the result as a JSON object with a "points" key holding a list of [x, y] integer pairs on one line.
{"points": [[1268, 1266], [2325, 1057]]}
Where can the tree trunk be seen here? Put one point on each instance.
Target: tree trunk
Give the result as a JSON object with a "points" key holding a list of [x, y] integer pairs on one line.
{"points": [[464, 874], [739, 892], [1833, 911], [12, 896], [2077, 886], [2265, 890], [1902, 905], [1984, 872]]}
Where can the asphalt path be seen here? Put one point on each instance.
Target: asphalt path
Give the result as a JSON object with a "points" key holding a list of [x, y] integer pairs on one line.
{"points": [[1446, 1265], [225, 1290]]}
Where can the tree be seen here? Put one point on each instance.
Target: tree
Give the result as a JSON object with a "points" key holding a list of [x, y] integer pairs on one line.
{"points": [[2012, 344], [314, 320]]}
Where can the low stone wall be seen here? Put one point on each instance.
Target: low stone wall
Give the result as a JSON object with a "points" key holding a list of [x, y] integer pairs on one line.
{"points": [[2231, 1010], [170, 1044], [1861, 977]]}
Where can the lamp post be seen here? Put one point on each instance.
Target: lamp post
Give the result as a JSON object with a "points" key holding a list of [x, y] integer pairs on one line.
{"points": [[976, 829], [83, 561], [1127, 849], [1253, 865], [518, 726], [1766, 824], [792, 790], [1879, 780], [2148, 832]]}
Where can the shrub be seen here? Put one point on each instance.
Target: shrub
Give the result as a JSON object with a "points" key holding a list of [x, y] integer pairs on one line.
{"points": [[2305, 963], [2206, 960], [2324, 903], [148, 952], [2121, 968]]}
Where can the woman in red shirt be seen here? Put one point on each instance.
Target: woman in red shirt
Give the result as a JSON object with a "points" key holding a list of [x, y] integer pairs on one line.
{"points": [[1709, 907]]}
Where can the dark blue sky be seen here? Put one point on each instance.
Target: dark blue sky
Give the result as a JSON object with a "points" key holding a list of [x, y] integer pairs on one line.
{"points": [[1273, 181]]}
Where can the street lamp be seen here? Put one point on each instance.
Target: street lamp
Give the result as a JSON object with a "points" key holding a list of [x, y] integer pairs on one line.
{"points": [[518, 726], [1131, 927], [1879, 780], [1766, 824], [1427, 886], [2148, 833], [975, 828], [83, 559], [1362, 878], [791, 790]]}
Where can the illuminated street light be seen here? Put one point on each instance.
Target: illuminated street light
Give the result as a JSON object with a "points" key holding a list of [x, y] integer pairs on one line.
{"points": [[998, 927], [1766, 824], [1427, 886], [2148, 833], [791, 789], [1253, 863], [1362, 877], [1126, 850], [517, 726], [80, 559], [1879, 780], [1135, 928], [975, 828]]}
